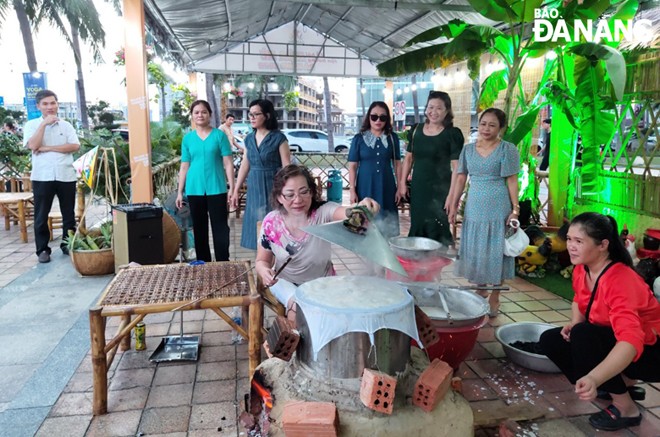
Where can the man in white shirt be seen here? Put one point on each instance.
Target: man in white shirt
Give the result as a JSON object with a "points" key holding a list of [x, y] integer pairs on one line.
{"points": [[226, 128], [53, 142]]}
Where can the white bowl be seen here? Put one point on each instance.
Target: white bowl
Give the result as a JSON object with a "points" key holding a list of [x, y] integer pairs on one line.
{"points": [[528, 332]]}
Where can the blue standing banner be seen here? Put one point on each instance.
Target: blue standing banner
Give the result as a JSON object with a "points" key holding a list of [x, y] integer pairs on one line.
{"points": [[33, 83]]}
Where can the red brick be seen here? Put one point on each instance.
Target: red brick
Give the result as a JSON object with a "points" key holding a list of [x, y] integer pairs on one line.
{"points": [[427, 333], [307, 419], [432, 385], [282, 338], [377, 391]]}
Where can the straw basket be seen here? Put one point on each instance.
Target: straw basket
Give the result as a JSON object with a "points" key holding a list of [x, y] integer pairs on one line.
{"points": [[93, 262]]}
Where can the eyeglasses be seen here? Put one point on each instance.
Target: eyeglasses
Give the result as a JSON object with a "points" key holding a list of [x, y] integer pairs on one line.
{"points": [[381, 117], [303, 194], [255, 114]]}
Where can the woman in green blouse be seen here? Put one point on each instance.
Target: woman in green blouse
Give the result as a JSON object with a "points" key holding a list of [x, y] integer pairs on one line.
{"points": [[205, 151]]}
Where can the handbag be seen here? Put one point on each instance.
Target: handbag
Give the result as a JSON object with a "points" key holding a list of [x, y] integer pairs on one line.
{"points": [[516, 240]]}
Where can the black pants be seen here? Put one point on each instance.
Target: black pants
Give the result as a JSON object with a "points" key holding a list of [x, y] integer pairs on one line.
{"points": [[44, 193], [215, 207], [589, 345]]}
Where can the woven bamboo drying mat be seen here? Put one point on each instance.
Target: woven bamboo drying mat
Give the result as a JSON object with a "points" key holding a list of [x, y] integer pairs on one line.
{"points": [[169, 283]]}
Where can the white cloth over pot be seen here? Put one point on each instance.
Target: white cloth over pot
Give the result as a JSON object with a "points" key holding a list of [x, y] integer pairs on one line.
{"points": [[336, 305]]}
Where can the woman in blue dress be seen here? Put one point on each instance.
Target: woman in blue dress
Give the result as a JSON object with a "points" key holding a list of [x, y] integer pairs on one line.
{"points": [[374, 163], [492, 202], [267, 151]]}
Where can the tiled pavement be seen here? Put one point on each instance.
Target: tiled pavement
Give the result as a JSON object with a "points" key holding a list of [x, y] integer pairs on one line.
{"points": [[204, 398]]}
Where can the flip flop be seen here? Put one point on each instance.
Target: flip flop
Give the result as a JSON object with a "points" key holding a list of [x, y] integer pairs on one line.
{"points": [[610, 419], [636, 393]]}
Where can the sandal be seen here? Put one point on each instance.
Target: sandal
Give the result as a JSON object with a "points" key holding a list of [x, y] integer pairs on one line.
{"points": [[610, 419], [636, 393]]}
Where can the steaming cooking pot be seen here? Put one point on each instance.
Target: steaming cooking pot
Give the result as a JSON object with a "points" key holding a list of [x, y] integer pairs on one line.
{"points": [[336, 317]]}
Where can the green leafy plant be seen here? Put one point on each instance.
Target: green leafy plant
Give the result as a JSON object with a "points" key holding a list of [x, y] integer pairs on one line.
{"points": [[95, 239], [577, 82], [291, 100], [14, 158]]}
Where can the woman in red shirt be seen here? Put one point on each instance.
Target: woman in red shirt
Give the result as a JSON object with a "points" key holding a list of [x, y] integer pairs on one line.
{"points": [[612, 339]]}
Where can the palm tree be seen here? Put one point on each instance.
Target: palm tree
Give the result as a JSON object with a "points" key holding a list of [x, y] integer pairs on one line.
{"points": [[84, 23], [25, 12]]}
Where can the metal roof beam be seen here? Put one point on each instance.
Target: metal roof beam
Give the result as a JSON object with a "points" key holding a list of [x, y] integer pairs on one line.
{"points": [[385, 4]]}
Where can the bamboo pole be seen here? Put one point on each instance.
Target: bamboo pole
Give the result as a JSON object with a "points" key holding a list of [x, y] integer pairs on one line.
{"points": [[99, 363], [120, 310], [255, 339], [126, 342], [115, 341]]}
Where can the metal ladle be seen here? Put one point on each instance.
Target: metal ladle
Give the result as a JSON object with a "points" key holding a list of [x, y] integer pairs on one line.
{"points": [[445, 307]]}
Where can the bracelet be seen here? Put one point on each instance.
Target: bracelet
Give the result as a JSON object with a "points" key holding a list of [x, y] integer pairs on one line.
{"points": [[516, 208]]}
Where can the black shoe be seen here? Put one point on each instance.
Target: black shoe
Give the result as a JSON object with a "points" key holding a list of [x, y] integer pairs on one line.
{"points": [[636, 393], [65, 250], [44, 257], [610, 419]]}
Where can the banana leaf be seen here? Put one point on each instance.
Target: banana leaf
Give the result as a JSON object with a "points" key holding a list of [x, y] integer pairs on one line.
{"points": [[614, 63], [491, 88], [416, 61], [449, 30], [524, 125], [468, 45], [596, 123]]}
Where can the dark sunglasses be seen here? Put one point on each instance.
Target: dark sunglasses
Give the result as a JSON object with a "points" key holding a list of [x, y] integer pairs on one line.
{"points": [[382, 118]]}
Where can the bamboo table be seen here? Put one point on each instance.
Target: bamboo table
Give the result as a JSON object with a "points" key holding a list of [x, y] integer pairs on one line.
{"points": [[138, 291], [13, 204]]}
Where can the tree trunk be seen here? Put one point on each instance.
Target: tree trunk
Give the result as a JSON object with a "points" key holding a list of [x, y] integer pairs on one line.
{"points": [[328, 114], [413, 81], [210, 95], [26, 31], [80, 83]]}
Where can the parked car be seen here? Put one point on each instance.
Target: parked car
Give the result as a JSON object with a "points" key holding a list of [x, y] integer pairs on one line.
{"points": [[312, 140]]}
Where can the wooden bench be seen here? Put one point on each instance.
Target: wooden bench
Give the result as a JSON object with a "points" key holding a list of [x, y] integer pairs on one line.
{"points": [[138, 291], [15, 205]]}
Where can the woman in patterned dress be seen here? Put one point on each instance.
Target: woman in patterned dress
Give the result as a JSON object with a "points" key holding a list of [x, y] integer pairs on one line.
{"points": [[297, 203], [267, 151], [492, 202], [374, 161]]}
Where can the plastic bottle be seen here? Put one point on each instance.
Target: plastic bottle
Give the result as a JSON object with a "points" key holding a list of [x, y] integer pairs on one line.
{"points": [[236, 316]]}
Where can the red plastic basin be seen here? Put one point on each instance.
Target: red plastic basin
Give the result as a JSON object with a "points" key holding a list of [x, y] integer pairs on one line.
{"points": [[455, 344], [423, 270]]}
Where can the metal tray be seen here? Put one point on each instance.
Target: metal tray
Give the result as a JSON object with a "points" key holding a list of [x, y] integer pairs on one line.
{"points": [[179, 348]]}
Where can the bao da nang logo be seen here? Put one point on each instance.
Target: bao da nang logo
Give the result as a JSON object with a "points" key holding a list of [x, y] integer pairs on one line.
{"points": [[639, 31]]}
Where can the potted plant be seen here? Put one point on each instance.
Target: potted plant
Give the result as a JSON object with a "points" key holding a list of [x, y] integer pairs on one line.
{"points": [[91, 250]]}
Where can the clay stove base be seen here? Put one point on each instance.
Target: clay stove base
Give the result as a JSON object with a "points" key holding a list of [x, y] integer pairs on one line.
{"points": [[452, 417]]}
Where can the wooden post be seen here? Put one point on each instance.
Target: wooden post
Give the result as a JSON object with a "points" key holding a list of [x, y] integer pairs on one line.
{"points": [[99, 363], [256, 310], [126, 341], [138, 102], [21, 220]]}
